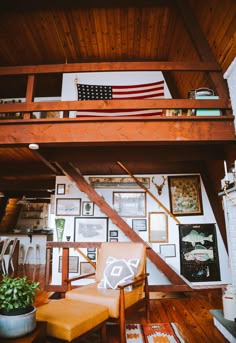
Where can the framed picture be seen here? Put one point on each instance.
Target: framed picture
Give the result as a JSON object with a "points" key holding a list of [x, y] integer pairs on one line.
{"points": [[158, 227], [91, 249], [68, 207], [73, 264], [198, 252], [130, 204], [185, 195], [139, 224], [118, 181], [61, 188], [168, 250], [90, 229], [113, 239], [87, 208], [114, 233], [87, 268], [91, 255]]}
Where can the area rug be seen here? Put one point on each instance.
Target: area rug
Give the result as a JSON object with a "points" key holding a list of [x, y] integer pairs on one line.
{"points": [[153, 333]]}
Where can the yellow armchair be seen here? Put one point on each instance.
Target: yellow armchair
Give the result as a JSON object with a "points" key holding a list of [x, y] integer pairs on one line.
{"points": [[120, 266]]}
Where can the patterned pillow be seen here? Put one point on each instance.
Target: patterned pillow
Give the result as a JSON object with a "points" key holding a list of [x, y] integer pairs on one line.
{"points": [[118, 272]]}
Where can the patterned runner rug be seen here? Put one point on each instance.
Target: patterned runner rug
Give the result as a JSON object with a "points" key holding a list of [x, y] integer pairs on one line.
{"points": [[154, 333]]}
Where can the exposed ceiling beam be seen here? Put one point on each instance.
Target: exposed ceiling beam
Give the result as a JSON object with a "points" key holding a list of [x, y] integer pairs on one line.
{"points": [[202, 46], [110, 66]]}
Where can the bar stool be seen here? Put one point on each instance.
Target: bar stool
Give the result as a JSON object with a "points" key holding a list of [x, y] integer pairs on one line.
{"points": [[35, 248]]}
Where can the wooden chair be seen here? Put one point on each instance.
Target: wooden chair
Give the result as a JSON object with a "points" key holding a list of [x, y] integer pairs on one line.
{"points": [[8, 257], [116, 261], [4, 246]]}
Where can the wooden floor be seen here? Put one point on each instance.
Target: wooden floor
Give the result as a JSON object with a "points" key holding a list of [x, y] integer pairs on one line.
{"points": [[190, 310]]}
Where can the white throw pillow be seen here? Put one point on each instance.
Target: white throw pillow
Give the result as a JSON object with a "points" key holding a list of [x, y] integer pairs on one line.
{"points": [[118, 272]]}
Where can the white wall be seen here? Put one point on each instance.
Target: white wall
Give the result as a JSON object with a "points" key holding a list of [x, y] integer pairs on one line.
{"points": [[230, 76], [156, 277]]}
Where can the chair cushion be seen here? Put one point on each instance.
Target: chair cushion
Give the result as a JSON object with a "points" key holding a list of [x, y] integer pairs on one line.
{"points": [[68, 319], [118, 272], [106, 297]]}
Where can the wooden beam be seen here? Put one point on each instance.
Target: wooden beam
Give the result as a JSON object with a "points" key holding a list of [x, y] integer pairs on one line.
{"points": [[202, 46], [115, 105], [29, 93], [118, 131], [83, 186], [109, 66]]}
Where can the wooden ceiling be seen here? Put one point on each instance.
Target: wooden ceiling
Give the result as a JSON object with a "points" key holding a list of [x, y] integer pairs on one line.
{"points": [[46, 33]]}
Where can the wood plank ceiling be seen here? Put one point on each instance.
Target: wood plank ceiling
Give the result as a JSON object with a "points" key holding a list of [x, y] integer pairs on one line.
{"points": [[114, 31]]}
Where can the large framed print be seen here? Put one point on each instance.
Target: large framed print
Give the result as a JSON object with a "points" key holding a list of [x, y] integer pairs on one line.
{"points": [[198, 252], [185, 195], [68, 207], [90, 229], [130, 204], [118, 182]]}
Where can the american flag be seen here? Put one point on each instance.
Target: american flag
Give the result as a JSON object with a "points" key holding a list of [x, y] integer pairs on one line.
{"points": [[154, 90]]}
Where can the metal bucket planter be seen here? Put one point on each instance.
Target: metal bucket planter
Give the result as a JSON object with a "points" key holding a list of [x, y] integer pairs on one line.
{"points": [[13, 326]]}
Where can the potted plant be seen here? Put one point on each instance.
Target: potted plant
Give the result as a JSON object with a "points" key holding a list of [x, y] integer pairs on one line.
{"points": [[17, 313]]}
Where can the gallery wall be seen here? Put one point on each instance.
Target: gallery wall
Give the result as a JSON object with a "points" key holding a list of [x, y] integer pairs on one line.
{"points": [[70, 203]]}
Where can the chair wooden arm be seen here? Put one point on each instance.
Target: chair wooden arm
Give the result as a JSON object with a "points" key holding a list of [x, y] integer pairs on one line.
{"points": [[79, 277], [134, 281]]}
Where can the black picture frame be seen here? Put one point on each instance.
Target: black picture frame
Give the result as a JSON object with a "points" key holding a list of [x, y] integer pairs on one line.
{"points": [[61, 188], [91, 255], [199, 259], [73, 264], [87, 208], [139, 224], [113, 233]]}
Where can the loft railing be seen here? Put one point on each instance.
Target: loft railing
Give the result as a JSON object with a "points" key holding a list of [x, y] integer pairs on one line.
{"points": [[25, 109]]}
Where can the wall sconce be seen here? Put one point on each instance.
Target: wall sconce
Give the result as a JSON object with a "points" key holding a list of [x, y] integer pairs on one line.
{"points": [[2, 195]]}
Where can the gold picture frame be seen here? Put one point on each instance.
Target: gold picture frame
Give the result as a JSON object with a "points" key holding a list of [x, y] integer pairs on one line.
{"points": [[158, 227]]}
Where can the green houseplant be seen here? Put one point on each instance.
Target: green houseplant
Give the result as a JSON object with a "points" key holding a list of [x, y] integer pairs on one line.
{"points": [[17, 296]]}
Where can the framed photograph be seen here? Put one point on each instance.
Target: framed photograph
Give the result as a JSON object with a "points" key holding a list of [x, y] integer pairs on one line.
{"points": [[114, 233], [61, 188], [73, 264], [130, 204], [168, 250], [91, 255], [118, 182], [90, 229], [185, 195], [87, 268], [199, 259], [113, 240], [91, 249], [139, 224], [68, 207], [158, 227], [87, 208]]}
